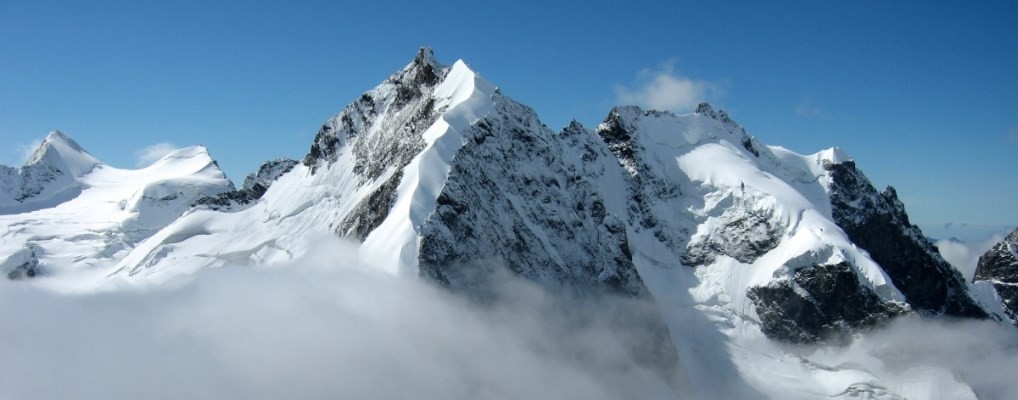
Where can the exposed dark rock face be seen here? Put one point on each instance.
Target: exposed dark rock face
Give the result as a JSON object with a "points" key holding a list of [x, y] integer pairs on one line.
{"points": [[999, 266], [254, 187], [513, 196], [370, 212], [744, 235], [268, 173], [620, 133], [822, 303], [525, 198], [384, 131], [383, 126], [35, 179], [877, 223]]}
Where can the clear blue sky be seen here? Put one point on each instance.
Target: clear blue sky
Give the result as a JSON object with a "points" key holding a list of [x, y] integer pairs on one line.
{"points": [[923, 94]]}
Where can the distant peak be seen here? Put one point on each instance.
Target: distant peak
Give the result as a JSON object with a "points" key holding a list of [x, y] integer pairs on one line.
{"points": [[574, 128], [706, 110], [188, 152], [424, 70], [631, 111], [426, 56], [57, 136], [834, 155], [60, 151]]}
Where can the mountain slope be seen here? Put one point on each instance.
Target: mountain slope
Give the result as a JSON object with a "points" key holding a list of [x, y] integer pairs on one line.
{"points": [[877, 222], [102, 211], [50, 176]]}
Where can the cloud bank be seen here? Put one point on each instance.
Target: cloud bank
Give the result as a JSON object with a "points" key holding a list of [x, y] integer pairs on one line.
{"points": [[664, 89], [150, 154], [926, 358], [964, 255], [328, 329], [317, 330]]}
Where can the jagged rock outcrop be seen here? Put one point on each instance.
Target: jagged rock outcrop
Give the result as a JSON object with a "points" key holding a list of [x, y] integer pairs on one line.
{"points": [[820, 303], [516, 193], [877, 223], [254, 187], [999, 266], [384, 125]]}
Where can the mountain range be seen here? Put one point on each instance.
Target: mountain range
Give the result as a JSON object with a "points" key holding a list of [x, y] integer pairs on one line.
{"points": [[438, 175]]}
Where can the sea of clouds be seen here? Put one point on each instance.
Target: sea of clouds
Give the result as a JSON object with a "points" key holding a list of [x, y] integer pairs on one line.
{"points": [[323, 328]]}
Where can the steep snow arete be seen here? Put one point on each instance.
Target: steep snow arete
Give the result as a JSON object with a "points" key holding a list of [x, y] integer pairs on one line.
{"points": [[434, 167]]}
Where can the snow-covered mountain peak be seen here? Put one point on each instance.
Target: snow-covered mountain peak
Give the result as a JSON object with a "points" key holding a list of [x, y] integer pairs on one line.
{"points": [[656, 130], [423, 70], [62, 152], [574, 128], [426, 57], [833, 155], [705, 109], [50, 176], [190, 156]]}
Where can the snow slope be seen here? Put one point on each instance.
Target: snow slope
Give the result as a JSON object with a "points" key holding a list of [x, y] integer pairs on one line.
{"points": [[49, 177], [109, 211]]}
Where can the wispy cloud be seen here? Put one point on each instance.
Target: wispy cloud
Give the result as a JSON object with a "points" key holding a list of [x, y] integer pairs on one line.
{"points": [[964, 255], [25, 151], [809, 108], [153, 153], [665, 89]]}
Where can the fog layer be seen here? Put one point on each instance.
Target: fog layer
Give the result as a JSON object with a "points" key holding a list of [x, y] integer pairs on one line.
{"points": [[320, 329]]}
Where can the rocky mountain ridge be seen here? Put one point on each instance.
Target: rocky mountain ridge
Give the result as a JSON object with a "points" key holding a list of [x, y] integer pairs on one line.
{"points": [[999, 266]]}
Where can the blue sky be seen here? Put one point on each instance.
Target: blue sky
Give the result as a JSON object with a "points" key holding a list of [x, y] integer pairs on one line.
{"points": [[923, 94]]}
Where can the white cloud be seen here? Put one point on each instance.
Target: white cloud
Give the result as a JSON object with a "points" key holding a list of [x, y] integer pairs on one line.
{"points": [[25, 151], [809, 108], [964, 255], [322, 329], [982, 354], [153, 153], [665, 89]]}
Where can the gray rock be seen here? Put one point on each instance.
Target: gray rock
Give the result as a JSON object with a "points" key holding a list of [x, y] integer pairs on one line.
{"points": [[821, 303], [877, 223], [999, 265]]}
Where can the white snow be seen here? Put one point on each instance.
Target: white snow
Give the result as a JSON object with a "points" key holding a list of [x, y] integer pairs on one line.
{"points": [[707, 308], [77, 240], [466, 98]]}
